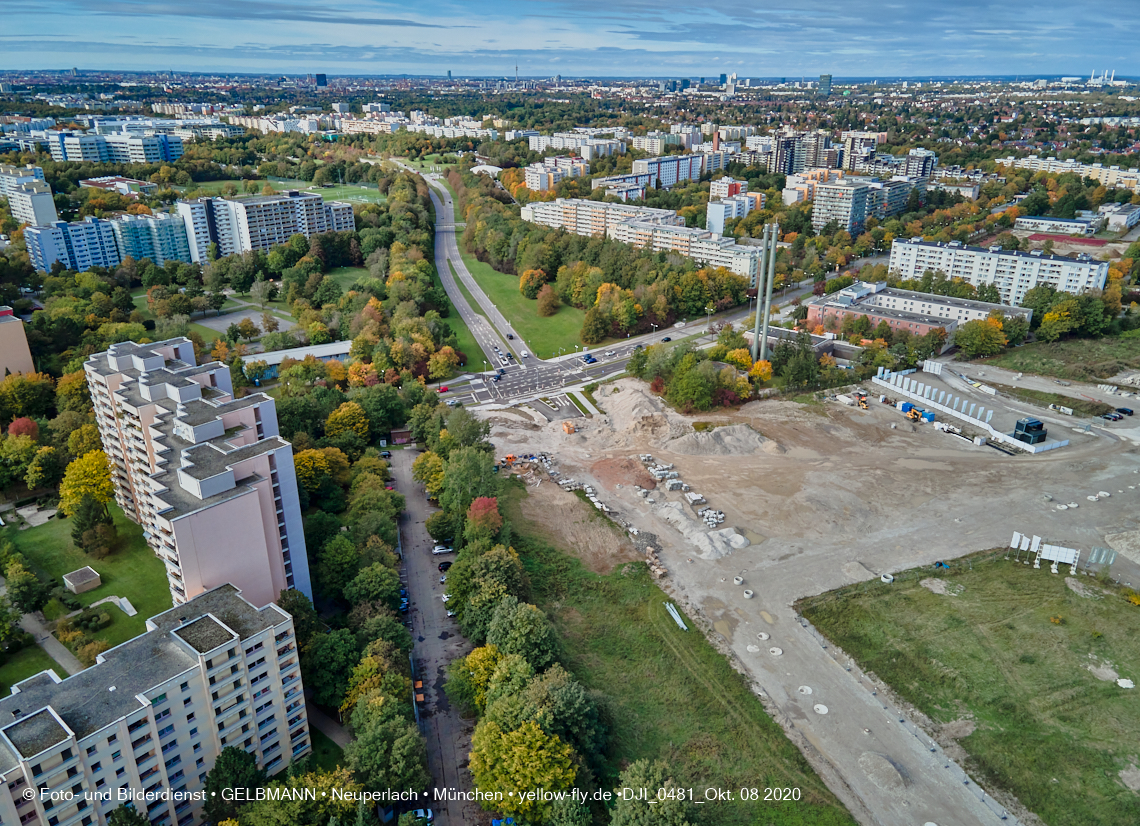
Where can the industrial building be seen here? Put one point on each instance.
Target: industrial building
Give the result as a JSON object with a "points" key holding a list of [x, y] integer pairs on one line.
{"points": [[206, 475]]}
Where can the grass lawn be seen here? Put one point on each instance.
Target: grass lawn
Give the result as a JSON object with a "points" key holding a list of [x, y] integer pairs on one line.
{"points": [[26, 663], [345, 277], [326, 754], [1011, 653], [671, 695], [208, 334], [1080, 407], [132, 571], [1083, 359], [549, 334], [355, 193]]}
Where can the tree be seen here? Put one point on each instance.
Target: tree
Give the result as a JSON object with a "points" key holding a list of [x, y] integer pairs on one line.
{"points": [[16, 455], [127, 815], [376, 583], [349, 417], [261, 293], [664, 810], [328, 292], [269, 323], [89, 515], [761, 372], [306, 623], [25, 591], [319, 798], [338, 564], [312, 468], [980, 337], [483, 519], [234, 769], [520, 628], [442, 363], [26, 394], [83, 440], [45, 470], [440, 526], [247, 329], [548, 301], [331, 659], [89, 475], [72, 393], [516, 762], [428, 470], [389, 754], [468, 474]]}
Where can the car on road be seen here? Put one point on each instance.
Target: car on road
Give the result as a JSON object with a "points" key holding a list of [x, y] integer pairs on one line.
{"points": [[510, 336], [444, 566], [610, 353], [524, 355], [511, 356], [503, 360], [404, 607], [496, 377], [1127, 411], [637, 347], [441, 549], [1112, 417], [444, 389], [385, 454], [591, 360], [454, 403], [667, 338]]}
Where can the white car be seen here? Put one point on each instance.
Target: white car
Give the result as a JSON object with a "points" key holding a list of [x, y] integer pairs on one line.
{"points": [[446, 597], [451, 613], [524, 355], [424, 814], [441, 549], [609, 353]]}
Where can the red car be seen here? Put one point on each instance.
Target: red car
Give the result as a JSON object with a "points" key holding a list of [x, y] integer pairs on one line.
{"points": [[443, 389]]}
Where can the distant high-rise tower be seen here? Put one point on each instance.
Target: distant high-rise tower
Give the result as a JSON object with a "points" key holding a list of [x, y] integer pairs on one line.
{"points": [[74, 72], [322, 80], [824, 85], [516, 73], [449, 75], [723, 79]]}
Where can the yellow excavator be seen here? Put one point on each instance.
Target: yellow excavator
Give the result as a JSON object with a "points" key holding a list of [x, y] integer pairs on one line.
{"points": [[914, 414]]}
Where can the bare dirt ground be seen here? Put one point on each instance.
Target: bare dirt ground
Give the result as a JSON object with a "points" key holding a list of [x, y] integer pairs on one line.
{"points": [[569, 524], [818, 496]]}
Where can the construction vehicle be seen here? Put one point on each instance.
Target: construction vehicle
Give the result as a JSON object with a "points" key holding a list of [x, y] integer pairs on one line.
{"points": [[914, 414], [862, 402]]}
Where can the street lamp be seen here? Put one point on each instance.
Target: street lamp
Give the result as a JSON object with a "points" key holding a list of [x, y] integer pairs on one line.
{"points": [[709, 310]]}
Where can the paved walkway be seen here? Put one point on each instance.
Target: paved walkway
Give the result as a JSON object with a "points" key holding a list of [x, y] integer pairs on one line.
{"points": [[34, 625], [327, 726]]}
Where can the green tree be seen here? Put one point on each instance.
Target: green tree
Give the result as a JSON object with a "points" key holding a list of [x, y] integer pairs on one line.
{"points": [[330, 661], [338, 563], [16, 456], [389, 754], [980, 337], [25, 591], [83, 440], [375, 583], [519, 761], [234, 769], [45, 469], [9, 621], [468, 474], [306, 623], [89, 516], [666, 811], [127, 815], [520, 628]]}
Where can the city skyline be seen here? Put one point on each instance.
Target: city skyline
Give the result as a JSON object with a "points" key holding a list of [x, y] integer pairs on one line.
{"points": [[559, 37]]}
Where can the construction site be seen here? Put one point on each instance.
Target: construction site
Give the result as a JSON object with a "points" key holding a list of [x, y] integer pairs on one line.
{"points": [[740, 513]]}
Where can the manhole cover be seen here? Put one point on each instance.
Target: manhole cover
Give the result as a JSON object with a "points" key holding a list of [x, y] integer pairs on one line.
{"points": [[763, 635], [775, 652], [820, 708], [804, 689]]}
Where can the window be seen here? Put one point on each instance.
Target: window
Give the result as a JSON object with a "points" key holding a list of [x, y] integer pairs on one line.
{"points": [[112, 739], [187, 701], [194, 732], [91, 751], [100, 783], [185, 686], [161, 698], [201, 761], [96, 767], [119, 772], [37, 770], [190, 717]]}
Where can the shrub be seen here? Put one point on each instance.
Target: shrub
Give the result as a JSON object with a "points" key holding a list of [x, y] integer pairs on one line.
{"points": [[87, 653]]}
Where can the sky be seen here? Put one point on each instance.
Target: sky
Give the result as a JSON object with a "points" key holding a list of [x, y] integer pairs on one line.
{"points": [[576, 38]]}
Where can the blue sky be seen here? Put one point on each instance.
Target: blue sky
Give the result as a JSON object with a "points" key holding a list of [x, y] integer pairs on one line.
{"points": [[576, 37]]}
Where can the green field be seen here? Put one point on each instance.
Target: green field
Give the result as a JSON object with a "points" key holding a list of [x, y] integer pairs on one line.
{"points": [[549, 334], [131, 571], [354, 193], [670, 694], [326, 754], [1080, 407], [1011, 654], [1084, 359], [25, 663], [345, 277]]}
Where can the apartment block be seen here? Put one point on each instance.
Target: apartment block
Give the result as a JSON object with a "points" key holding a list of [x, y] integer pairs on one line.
{"points": [[160, 237], [801, 186], [205, 474], [14, 176], [726, 188], [843, 201], [259, 223], [545, 175], [586, 145], [700, 245], [1013, 273], [593, 218], [32, 204], [79, 246], [118, 148], [670, 170], [1113, 177], [15, 356], [720, 212], [152, 715]]}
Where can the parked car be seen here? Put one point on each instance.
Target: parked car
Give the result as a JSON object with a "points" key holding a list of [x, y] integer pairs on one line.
{"points": [[441, 549], [444, 389], [610, 353], [385, 454], [403, 607], [453, 402], [446, 597], [667, 338], [444, 566], [1127, 411], [591, 360], [451, 613]]}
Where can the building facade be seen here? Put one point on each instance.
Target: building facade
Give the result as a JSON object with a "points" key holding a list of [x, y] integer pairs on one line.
{"points": [[32, 204], [79, 246], [15, 355], [153, 714], [120, 148], [670, 170], [1113, 177], [205, 474], [1013, 273], [14, 176], [594, 218], [160, 237], [700, 245], [1060, 226], [259, 223], [720, 212], [844, 201]]}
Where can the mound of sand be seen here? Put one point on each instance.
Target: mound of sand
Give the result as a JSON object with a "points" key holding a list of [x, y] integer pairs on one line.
{"points": [[709, 544], [732, 440], [613, 472], [632, 410]]}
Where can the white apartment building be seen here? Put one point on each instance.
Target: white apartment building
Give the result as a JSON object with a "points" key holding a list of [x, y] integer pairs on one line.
{"points": [[115, 148], [700, 245], [726, 188], [670, 170], [80, 245], [153, 714], [14, 176], [32, 204], [960, 310], [584, 144], [160, 237], [1013, 273], [259, 223], [1120, 217], [1061, 226], [205, 474], [720, 212], [593, 218], [843, 201], [1113, 177], [545, 175]]}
